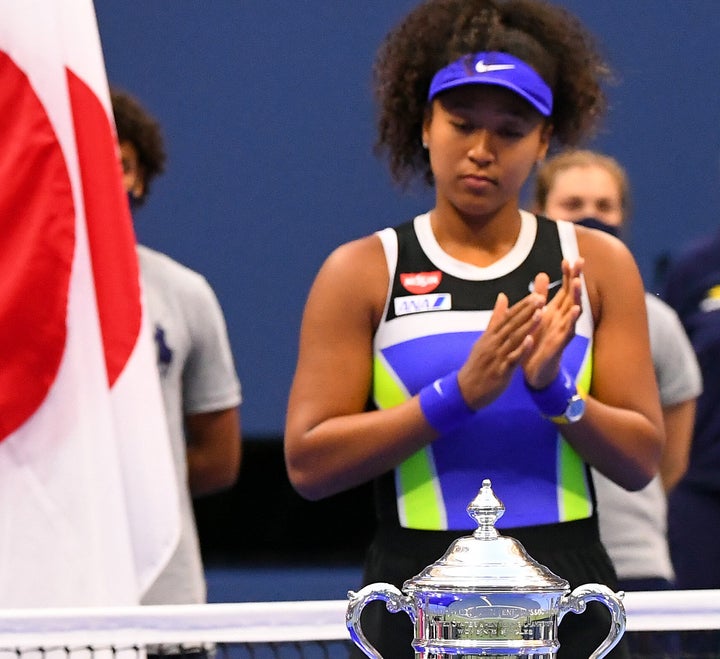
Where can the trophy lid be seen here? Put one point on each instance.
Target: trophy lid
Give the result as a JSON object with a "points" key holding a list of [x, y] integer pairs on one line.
{"points": [[486, 561]]}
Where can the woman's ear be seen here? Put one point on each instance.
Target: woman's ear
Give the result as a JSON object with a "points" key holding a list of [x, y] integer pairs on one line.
{"points": [[138, 187], [427, 118], [545, 137]]}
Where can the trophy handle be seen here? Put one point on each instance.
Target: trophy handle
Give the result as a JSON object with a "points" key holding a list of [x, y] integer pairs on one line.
{"points": [[576, 601], [394, 601]]}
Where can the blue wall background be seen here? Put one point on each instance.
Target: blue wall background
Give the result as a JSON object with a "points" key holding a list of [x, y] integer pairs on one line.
{"points": [[268, 117]]}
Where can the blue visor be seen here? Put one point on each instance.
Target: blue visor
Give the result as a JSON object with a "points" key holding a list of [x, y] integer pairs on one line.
{"points": [[499, 69]]}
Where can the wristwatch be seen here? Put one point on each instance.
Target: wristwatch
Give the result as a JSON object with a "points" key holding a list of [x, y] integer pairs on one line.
{"points": [[573, 412]]}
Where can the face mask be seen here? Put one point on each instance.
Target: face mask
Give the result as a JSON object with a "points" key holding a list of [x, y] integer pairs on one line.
{"points": [[594, 223]]}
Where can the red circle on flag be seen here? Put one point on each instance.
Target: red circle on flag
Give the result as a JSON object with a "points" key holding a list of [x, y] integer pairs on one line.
{"points": [[109, 227], [36, 251]]}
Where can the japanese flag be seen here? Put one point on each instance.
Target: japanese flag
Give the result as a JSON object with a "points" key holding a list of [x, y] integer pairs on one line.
{"points": [[88, 500]]}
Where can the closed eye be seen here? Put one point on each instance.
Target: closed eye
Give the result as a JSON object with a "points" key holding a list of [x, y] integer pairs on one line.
{"points": [[464, 127], [513, 131]]}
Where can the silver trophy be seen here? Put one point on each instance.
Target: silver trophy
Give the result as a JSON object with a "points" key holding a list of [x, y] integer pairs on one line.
{"points": [[486, 597]]}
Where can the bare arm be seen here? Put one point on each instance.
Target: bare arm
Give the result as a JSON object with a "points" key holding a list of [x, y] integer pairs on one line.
{"points": [[331, 443], [214, 450], [621, 433], [679, 421]]}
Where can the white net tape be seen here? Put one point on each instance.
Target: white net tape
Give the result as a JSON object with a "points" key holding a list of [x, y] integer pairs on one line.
{"points": [[279, 622], [250, 622]]}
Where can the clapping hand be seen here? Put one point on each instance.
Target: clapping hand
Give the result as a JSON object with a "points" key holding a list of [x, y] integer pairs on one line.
{"points": [[556, 326]]}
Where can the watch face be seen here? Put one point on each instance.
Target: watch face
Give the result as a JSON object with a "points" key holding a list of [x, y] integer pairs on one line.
{"points": [[575, 409]]}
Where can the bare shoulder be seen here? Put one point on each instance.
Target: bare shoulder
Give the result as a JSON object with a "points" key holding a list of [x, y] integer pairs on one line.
{"points": [[603, 251], [365, 254], [610, 267], [355, 275]]}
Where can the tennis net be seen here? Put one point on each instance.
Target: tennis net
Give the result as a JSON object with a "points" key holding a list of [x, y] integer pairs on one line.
{"points": [[660, 625]]}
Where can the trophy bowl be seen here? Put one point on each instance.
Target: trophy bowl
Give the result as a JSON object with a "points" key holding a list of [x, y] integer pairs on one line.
{"points": [[486, 597]]}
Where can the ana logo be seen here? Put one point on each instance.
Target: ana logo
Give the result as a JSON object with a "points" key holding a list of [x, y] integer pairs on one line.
{"points": [[422, 303], [420, 282]]}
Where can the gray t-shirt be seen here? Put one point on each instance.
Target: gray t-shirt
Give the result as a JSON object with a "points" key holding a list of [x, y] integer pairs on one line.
{"points": [[633, 525], [197, 375]]}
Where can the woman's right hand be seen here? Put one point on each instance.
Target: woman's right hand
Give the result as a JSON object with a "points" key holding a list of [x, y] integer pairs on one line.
{"points": [[500, 350]]}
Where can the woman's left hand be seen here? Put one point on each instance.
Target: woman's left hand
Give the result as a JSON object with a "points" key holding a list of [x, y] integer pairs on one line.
{"points": [[556, 327]]}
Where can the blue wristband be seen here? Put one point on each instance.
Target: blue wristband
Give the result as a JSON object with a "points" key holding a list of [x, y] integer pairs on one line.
{"points": [[553, 399], [443, 404]]}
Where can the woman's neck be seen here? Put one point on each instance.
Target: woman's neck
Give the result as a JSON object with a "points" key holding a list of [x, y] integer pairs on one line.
{"points": [[478, 240]]}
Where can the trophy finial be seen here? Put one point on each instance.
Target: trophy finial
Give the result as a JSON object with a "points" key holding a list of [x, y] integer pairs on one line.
{"points": [[486, 509]]}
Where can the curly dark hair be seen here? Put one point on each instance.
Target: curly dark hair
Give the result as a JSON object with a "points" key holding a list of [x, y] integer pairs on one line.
{"points": [[438, 32], [137, 126]]}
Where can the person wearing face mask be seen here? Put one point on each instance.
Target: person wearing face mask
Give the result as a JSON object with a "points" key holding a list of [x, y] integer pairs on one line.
{"points": [[200, 387], [592, 189]]}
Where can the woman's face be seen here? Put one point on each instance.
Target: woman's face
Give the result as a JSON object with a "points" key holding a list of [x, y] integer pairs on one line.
{"points": [[585, 191], [483, 142]]}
